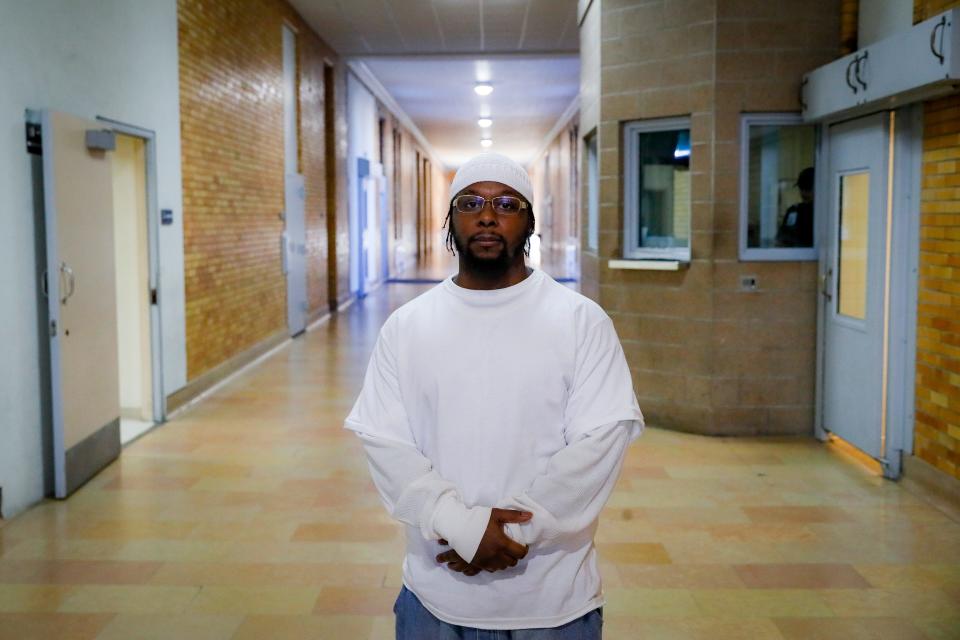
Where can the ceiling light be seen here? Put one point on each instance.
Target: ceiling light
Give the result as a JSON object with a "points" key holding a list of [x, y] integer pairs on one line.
{"points": [[486, 142], [485, 122], [483, 88]]}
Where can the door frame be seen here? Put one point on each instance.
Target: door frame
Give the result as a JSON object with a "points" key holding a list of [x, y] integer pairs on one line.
{"points": [[903, 229], [149, 138]]}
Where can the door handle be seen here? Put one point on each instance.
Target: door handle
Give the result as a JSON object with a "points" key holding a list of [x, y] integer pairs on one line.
{"points": [[850, 84], [941, 27], [283, 254], [825, 284], [65, 270], [861, 67]]}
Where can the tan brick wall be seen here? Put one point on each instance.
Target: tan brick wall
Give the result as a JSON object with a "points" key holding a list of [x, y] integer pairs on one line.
{"points": [[923, 9], [232, 151], [706, 356], [849, 16], [937, 428]]}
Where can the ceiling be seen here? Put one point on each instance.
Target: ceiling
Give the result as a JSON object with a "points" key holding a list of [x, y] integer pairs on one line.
{"points": [[403, 27], [429, 54]]}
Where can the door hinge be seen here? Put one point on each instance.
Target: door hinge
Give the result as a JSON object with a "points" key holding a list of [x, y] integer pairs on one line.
{"points": [[53, 328], [153, 296], [34, 139]]}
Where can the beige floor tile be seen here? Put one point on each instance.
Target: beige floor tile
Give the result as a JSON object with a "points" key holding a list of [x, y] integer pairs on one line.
{"points": [[898, 576], [679, 576], [864, 603], [264, 600], [762, 603], [946, 628], [258, 627], [51, 626], [632, 628], [634, 553], [75, 572], [321, 531], [650, 603], [128, 599], [383, 628], [800, 576], [166, 627], [848, 629], [366, 601], [23, 598]]}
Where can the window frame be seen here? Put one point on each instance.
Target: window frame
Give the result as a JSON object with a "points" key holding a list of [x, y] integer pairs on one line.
{"points": [[631, 196], [592, 155], [776, 254]]}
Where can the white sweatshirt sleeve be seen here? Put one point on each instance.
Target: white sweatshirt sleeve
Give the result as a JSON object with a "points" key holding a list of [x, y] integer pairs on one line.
{"points": [[415, 494], [567, 498]]}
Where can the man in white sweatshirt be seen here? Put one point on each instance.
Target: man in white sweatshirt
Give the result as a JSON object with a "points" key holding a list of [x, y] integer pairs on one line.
{"points": [[495, 414]]}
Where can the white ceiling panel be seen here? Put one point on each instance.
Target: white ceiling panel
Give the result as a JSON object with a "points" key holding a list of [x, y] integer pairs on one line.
{"points": [[399, 27], [552, 25], [530, 94]]}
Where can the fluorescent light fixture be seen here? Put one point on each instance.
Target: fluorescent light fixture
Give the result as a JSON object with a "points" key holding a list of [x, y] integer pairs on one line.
{"points": [[485, 122], [486, 142], [681, 153], [483, 88]]}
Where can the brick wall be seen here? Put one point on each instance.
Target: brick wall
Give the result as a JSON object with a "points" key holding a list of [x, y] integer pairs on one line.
{"points": [[923, 9], [232, 149], [706, 356], [849, 16], [937, 427]]}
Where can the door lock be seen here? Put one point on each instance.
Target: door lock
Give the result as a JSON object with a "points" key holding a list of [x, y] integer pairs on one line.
{"points": [[825, 284]]}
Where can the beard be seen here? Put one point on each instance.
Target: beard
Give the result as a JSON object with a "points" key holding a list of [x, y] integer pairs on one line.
{"points": [[486, 265]]}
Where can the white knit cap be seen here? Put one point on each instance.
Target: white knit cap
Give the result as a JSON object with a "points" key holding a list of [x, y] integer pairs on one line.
{"points": [[492, 167]]}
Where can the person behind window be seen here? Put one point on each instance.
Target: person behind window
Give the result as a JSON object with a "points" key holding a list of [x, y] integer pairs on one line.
{"points": [[796, 228]]}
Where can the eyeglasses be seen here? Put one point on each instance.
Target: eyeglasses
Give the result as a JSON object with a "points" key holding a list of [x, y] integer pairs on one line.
{"points": [[502, 205]]}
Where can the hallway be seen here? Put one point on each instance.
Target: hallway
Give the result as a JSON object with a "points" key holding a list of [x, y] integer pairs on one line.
{"points": [[252, 515]]}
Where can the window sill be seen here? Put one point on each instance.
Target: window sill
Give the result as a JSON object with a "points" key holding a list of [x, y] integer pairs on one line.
{"points": [[648, 265]]}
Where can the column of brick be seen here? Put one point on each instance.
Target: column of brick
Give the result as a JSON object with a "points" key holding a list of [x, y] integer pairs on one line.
{"points": [[937, 428]]}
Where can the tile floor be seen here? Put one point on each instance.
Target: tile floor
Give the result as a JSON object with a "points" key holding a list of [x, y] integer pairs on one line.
{"points": [[252, 517]]}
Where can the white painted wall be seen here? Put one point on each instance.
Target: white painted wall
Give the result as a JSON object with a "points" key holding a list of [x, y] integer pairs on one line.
{"points": [[878, 19], [113, 58], [362, 132]]}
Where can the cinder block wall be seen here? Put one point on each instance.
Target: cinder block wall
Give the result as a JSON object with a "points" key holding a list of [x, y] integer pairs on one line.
{"points": [[705, 356], [937, 427], [231, 96]]}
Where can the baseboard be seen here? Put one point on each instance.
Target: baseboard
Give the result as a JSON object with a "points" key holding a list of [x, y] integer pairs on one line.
{"points": [[939, 488], [88, 457], [206, 381]]}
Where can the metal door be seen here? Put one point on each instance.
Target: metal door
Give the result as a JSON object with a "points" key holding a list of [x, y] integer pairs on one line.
{"points": [[295, 252], [853, 287], [81, 294]]}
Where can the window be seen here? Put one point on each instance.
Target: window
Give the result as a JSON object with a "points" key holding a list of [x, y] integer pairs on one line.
{"points": [[593, 194], [777, 170], [657, 189]]}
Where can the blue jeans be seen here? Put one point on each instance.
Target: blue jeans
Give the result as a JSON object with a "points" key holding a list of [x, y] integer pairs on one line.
{"points": [[414, 622]]}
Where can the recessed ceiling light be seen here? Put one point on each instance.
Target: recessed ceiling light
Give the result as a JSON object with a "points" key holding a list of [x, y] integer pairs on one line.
{"points": [[486, 142], [485, 122], [483, 88]]}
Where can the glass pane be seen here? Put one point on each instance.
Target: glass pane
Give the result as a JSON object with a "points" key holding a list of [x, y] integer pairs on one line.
{"points": [[852, 257], [664, 184], [780, 186]]}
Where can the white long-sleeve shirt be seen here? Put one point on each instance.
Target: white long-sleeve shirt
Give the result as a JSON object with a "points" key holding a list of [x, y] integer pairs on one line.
{"points": [[566, 499], [501, 398]]}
